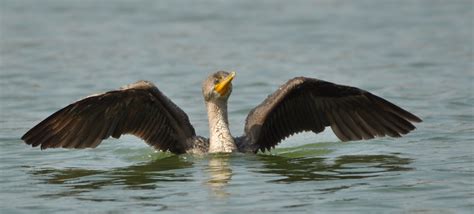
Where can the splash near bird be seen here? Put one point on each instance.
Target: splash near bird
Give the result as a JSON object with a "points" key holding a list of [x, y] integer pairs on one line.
{"points": [[301, 104]]}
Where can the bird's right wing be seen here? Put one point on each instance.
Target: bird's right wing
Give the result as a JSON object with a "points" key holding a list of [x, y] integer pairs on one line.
{"points": [[307, 104], [139, 109]]}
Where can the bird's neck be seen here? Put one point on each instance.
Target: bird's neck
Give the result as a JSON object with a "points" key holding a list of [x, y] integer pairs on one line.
{"points": [[220, 138]]}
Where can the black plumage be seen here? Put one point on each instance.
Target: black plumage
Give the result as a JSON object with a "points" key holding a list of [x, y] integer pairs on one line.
{"points": [[301, 104]]}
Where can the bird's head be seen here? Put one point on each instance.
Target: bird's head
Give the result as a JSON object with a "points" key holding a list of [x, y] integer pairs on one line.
{"points": [[218, 86]]}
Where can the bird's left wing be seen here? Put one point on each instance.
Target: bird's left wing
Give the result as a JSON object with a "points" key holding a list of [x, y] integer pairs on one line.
{"points": [[139, 109], [307, 104]]}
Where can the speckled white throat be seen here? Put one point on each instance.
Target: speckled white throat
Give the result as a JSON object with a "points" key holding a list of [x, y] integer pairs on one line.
{"points": [[220, 138]]}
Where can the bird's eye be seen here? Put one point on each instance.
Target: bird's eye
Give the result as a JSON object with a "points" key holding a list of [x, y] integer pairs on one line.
{"points": [[216, 81]]}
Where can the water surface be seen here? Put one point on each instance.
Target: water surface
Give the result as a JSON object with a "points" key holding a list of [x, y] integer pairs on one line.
{"points": [[418, 54]]}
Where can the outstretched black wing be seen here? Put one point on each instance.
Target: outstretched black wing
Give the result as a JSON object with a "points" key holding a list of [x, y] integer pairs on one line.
{"points": [[306, 104], [139, 109]]}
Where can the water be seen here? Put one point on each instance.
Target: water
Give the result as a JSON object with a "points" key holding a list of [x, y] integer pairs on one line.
{"points": [[418, 54]]}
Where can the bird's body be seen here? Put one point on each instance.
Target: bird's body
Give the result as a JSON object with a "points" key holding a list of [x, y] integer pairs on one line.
{"points": [[301, 104]]}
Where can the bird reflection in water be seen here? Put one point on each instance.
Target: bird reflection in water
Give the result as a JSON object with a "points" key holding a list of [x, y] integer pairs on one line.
{"points": [[220, 174], [159, 173], [150, 175], [322, 169]]}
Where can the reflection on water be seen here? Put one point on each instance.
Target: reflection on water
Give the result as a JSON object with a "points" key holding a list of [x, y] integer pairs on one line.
{"points": [[154, 174], [145, 176], [343, 167], [220, 173]]}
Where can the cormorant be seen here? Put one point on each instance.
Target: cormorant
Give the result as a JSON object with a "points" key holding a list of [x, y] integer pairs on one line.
{"points": [[301, 104]]}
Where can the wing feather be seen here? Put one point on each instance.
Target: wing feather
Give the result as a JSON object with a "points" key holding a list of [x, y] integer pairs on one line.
{"points": [[306, 104], [139, 109]]}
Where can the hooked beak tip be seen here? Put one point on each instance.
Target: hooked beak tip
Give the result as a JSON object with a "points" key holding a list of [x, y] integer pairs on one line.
{"points": [[223, 87]]}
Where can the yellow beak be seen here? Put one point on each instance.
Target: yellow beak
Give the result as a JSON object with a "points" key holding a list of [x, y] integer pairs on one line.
{"points": [[223, 86]]}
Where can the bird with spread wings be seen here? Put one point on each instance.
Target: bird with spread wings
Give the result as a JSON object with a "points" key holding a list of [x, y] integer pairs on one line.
{"points": [[301, 104]]}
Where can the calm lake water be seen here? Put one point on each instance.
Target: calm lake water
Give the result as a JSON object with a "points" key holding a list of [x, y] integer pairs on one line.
{"points": [[418, 54]]}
